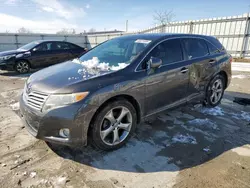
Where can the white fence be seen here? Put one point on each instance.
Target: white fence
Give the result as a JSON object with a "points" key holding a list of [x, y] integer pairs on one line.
{"points": [[10, 41], [233, 33]]}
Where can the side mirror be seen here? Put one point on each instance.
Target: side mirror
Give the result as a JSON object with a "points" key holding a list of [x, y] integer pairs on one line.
{"points": [[34, 49], [155, 62]]}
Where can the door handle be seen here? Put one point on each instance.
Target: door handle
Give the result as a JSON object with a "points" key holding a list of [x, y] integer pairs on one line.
{"points": [[184, 70], [212, 61]]}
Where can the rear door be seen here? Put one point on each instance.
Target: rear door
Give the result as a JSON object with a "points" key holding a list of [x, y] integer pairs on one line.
{"points": [[75, 51], [61, 51], [167, 85], [203, 65]]}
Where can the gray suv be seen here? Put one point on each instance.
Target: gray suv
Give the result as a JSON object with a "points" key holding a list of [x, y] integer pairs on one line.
{"points": [[102, 96]]}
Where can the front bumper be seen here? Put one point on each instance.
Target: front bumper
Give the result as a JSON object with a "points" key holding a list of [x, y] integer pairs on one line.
{"points": [[7, 64], [46, 126]]}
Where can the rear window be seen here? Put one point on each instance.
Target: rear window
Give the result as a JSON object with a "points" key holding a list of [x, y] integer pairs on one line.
{"points": [[65, 46], [72, 46], [212, 49], [195, 48], [216, 43]]}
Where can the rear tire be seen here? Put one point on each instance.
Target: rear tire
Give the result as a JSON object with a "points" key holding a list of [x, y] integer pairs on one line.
{"points": [[215, 91], [22, 67], [113, 125]]}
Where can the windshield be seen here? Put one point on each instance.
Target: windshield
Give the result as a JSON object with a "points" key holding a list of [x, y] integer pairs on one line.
{"points": [[115, 53], [29, 46]]}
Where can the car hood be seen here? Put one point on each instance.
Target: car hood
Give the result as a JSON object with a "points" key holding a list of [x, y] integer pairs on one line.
{"points": [[52, 79], [11, 52]]}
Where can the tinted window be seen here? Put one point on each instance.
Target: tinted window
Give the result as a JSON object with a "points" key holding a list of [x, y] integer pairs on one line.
{"points": [[72, 46], [65, 46], [168, 51], [195, 48], [46, 46], [215, 42], [61, 46], [212, 49]]}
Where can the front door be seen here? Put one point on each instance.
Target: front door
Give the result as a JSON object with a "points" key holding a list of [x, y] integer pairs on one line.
{"points": [[42, 55], [167, 85]]}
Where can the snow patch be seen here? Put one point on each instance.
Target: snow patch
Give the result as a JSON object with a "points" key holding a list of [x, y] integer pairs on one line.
{"points": [[203, 123], [243, 116], [61, 181], [240, 76], [238, 66], [33, 174], [185, 139], [15, 106], [217, 111], [207, 149], [242, 151], [120, 66], [95, 63]]}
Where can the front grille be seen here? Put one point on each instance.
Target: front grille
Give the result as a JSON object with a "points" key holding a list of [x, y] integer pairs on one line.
{"points": [[34, 99]]}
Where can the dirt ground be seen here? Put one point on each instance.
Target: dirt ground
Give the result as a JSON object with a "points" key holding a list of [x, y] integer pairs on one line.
{"points": [[189, 147]]}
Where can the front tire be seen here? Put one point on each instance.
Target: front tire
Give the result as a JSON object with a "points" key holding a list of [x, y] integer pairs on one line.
{"points": [[113, 125], [22, 67], [215, 91]]}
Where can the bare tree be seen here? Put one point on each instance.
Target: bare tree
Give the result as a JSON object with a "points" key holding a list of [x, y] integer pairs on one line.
{"points": [[23, 30], [65, 31], [92, 30], [163, 17]]}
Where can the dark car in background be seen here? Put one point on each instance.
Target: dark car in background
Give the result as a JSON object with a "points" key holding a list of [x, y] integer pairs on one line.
{"points": [[102, 96], [38, 54]]}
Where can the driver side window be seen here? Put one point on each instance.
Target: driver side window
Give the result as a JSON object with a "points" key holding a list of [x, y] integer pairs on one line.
{"points": [[44, 47], [169, 52]]}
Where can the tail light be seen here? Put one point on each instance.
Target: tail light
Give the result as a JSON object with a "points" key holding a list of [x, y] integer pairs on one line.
{"points": [[231, 60]]}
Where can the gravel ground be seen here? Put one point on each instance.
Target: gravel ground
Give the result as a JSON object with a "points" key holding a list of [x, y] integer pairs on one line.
{"points": [[190, 146]]}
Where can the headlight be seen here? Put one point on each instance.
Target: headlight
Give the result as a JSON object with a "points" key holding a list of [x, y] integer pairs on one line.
{"points": [[55, 101], [6, 57]]}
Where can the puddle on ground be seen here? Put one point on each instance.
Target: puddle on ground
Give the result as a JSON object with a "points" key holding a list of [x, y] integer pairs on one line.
{"points": [[242, 101]]}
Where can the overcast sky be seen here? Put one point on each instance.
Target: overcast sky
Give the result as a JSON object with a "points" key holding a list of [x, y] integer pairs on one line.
{"points": [[50, 16]]}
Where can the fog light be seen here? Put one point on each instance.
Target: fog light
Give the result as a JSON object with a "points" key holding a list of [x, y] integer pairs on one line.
{"points": [[64, 133]]}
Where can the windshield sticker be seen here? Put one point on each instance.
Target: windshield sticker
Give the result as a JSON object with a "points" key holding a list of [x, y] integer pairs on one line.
{"points": [[142, 41]]}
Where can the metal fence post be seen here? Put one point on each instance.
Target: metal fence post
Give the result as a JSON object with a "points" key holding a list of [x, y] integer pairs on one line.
{"points": [[163, 28], [16, 38], [244, 42], [191, 27], [86, 41]]}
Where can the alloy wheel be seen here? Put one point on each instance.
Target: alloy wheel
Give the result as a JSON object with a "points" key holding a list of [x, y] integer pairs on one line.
{"points": [[116, 125], [22, 67], [216, 91]]}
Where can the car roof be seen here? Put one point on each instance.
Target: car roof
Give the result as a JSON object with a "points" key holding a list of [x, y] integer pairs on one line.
{"points": [[40, 41], [159, 36]]}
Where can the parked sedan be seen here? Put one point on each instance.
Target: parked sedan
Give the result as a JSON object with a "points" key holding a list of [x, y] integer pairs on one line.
{"points": [[102, 96], [39, 54]]}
